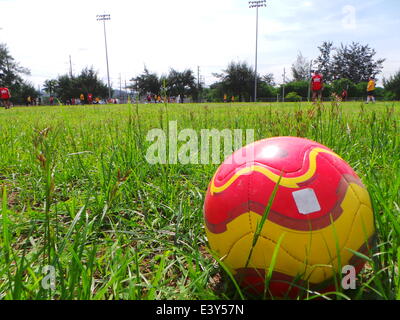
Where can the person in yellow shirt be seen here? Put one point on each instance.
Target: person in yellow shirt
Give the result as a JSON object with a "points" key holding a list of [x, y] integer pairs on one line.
{"points": [[370, 90], [82, 98]]}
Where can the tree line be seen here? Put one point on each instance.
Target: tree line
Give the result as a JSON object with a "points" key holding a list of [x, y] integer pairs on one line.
{"points": [[11, 76], [343, 67], [67, 86], [63, 88], [174, 84]]}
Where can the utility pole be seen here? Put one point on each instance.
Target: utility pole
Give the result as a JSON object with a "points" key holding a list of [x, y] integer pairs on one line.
{"points": [[126, 92], [39, 102], [104, 18], [198, 77], [284, 83], [256, 4], [70, 66], [120, 87], [309, 82], [198, 83]]}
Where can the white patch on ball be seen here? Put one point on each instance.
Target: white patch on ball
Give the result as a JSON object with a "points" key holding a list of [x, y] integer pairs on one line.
{"points": [[306, 201]]}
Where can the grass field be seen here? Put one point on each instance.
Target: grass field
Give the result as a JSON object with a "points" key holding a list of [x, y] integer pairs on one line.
{"points": [[78, 194]]}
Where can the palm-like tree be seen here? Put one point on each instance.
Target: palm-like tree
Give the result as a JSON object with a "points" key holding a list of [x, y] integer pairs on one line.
{"points": [[50, 86], [238, 80]]}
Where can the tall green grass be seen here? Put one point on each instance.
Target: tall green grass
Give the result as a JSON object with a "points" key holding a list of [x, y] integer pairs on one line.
{"points": [[78, 194]]}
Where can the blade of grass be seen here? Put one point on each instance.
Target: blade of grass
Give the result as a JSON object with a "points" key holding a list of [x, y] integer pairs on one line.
{"points": [[264, 218], [157, 277], [272, 265]]}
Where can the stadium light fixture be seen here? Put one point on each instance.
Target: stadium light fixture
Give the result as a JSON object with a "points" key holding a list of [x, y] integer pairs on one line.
{"points": [[104, 18], [256, 4]]}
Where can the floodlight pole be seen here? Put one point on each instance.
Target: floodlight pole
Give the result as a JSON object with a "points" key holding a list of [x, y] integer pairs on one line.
{"points": [[256, 4], [104, 18]]}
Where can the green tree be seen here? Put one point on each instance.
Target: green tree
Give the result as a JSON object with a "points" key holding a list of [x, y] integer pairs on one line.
{"points": [[10, 70], [11, 77], [293, 97], [50, 86], [215, 93], [299, 87], [392, 86], [87, 82], [355, 62], [345, 84], [267, 92], [302, 87], [324, 61], [25, 90], [361, 89], [238, 80], [182, 83], [301, 68], [269, 79], [327, 92], [147, 83], [65, 88]]}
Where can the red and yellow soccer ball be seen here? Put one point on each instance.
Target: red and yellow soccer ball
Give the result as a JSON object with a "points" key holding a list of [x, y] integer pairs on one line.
{"points": [[322, 213]]}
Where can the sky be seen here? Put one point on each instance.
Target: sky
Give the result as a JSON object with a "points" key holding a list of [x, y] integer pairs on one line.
{"points": [[201, 35]]}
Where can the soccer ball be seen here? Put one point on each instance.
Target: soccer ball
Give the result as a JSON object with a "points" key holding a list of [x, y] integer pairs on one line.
{"points": [[320, 216]]}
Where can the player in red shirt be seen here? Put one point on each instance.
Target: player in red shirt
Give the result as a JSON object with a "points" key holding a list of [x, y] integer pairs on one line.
{"points": [[317, 86], [90, 98], [5, 96], [344, 95]]}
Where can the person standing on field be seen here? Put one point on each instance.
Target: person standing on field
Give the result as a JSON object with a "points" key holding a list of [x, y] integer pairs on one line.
{"points": [[317, 86], [5, 97], [371, 90], [82, 98], [344, 95]]}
